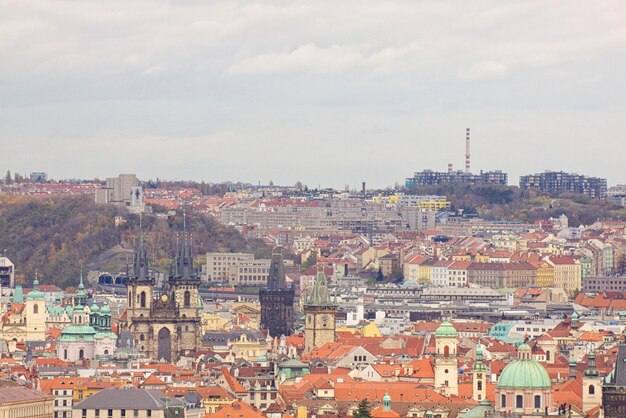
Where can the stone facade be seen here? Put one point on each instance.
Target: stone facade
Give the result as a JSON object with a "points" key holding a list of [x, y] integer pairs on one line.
{"points": [[165, 324], [276, 299], [319, 314]]}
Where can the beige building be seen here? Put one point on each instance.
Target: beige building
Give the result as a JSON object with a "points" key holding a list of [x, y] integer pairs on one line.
{"points": [[218, 264], [118, 190], [502, 275], [249, 273], [22, 402], [567, 273], [248, 348]]}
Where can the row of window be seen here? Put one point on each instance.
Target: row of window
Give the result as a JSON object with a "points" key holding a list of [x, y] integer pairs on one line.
{"points": [[109, 413], [519, 401]]}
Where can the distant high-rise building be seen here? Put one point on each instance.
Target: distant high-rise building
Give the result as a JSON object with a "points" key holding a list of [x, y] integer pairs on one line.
{"points": [[39, 177], [7, 273], [119, 190], [555, 182], [276, 299], [429, 177]]}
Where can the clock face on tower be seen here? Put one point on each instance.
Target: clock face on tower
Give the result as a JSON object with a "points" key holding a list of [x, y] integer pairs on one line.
{"points": [[164, 298]]}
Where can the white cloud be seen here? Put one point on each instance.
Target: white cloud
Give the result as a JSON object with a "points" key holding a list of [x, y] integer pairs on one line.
{"points": [[345, 71], [307, 58], [485, 69]]}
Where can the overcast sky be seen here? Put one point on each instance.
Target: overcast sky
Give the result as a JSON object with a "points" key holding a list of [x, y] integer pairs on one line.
{"points": [[325, 92]]}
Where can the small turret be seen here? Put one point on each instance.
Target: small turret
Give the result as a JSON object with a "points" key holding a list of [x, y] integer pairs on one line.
{"points": [[386, 402], [572, 367], [591, 365], [80, 299]]}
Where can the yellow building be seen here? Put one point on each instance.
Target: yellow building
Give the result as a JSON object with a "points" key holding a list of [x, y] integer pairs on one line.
{"points": [[372, 254], [213, 321], [426, 272], [371, 330], [545, 275], [567, 273], [214, 397], [84, 390]]}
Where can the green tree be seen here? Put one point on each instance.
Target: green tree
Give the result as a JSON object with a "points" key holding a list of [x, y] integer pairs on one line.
{"points": [[363, 410], [311, 261], [380, 276]]}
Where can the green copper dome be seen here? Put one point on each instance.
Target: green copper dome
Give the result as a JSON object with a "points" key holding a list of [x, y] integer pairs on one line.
{"points": [[446, 330], [483, 409], [94, 308], [524, 373], [36, 294], [77, 332], [105, 310]]}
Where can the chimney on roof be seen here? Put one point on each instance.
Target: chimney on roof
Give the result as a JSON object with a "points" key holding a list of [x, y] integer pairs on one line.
{"points": [[450, 168]]}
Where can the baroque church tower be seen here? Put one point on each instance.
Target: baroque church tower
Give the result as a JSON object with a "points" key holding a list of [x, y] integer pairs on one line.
{"points": [[479, 382], [165, 325], [446, 364], [276, 299], [319, 315]]}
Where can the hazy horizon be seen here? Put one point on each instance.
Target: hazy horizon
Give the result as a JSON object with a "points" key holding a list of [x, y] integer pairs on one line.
{"points": [[320, 92]]}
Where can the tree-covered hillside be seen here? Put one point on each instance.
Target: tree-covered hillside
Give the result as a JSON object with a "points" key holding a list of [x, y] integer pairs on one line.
{"points": [[56, 236]]}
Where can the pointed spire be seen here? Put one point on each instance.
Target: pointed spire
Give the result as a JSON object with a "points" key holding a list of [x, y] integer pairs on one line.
{"points": [[320, 295], [36, 281], [276, 277], [81, 285], [140, 257], [184, 259]]}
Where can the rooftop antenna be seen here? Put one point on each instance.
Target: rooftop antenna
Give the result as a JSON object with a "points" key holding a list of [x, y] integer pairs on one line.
{"points": [[467, 150]]}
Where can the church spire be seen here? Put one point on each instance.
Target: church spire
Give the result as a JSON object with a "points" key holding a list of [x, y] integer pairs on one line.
{"points": [[184, 259], [320, 295], [276, 277], [140, 257], [80, 299]]}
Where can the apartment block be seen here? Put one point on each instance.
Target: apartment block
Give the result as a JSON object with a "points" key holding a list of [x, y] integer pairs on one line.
{"points": [[502, 275], [429, 177], [249, 273], [555, 182], [218, 264]]}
